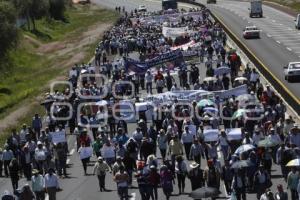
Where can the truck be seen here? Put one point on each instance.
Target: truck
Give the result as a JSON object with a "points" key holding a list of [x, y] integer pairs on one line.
{"points": [[169, 4], [297, 22], [256, 9]]}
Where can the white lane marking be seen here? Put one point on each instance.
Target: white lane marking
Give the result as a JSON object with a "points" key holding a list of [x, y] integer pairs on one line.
{"points": [[133, 196], [290, 29], [269, 35], [281, 24], [292, 43], [72, 151], [298, 33], [289, 49], [288, 35], [278, 42], [47, 197], [68, 161], [274, 21]]}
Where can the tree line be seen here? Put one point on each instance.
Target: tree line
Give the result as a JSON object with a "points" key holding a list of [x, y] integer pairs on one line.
{"points": [[31, 10]]}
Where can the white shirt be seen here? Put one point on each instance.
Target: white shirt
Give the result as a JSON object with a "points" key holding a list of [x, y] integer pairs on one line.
{"points": [[40, 154], [149, 78], [254, 77], [276, 138], [51, 181], [256, 138], [187, 137]]}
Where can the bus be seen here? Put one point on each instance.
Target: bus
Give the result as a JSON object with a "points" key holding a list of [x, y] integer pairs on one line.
{"points": [[169, 4]]}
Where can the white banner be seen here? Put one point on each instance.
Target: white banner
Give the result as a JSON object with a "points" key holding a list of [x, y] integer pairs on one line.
{"points": [[234, 134], [85, 152], [211, 135], [58, 136], [174, 32], [185, 46], [237, 91], [182, 95]]}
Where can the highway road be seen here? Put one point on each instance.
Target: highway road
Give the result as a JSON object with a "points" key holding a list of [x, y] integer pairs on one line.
{"points": [[279, 43], [80, 187]]}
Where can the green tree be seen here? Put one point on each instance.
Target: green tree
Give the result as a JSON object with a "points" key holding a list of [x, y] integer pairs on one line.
{"points": [[38, 9], [57, 9], [32, 10], [8, 29]]}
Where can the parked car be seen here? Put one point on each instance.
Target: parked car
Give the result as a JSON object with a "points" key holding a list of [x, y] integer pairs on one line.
{"points": [[142, 8], [251, 32], [292, 70]]}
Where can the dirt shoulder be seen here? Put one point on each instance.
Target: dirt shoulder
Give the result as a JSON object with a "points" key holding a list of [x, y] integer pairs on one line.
{"points": [[74, 51]]}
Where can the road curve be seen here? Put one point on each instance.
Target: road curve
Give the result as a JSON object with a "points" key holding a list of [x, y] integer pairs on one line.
{"points": [[279, 43]]}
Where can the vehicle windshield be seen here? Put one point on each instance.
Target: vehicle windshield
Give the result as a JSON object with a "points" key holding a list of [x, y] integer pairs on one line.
{"points": [[251, 28], [295, 66]]}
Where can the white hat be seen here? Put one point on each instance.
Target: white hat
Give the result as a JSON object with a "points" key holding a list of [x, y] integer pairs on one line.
{"points": [[39, 143], [194, 165]]}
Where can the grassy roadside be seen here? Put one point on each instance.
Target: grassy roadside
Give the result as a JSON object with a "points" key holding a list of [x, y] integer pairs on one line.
{"points": [[291, 4], [46, 54]]}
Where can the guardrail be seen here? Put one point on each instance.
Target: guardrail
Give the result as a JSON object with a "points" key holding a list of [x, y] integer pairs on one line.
{"points": [[291, 100]]}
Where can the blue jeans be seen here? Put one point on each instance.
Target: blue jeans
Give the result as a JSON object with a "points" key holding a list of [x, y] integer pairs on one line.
{"points": [[224, 150]]}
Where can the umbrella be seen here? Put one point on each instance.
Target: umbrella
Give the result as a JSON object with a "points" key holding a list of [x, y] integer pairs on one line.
{"points": [[241, 78], [211, 110], [205, 102], [102, 103], [238, 113], [293, 163], [222, 70], [245, 97], [241, 164], [205, 192], [244, 148], [210, 78], [267, 142]]}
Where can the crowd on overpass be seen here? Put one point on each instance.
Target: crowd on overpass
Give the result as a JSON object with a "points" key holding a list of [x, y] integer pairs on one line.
{"points": [[234, 114]]}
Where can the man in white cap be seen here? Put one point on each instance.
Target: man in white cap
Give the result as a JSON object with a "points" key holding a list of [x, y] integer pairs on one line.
{"points": [[100, 169], [196, 176], [40, 156]]}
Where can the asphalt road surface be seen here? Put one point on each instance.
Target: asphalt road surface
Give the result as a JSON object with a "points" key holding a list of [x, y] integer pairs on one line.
{"points": [[80, 187], [279, 43]]}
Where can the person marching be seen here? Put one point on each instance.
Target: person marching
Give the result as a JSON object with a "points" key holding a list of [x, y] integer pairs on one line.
{"points": [[196, 176], [181, 171], [100, 169], [37, 183], [122, 178], [51, 184]]}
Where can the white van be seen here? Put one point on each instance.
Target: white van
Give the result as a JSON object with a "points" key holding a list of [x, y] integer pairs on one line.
{"points": [[297, 22]]}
